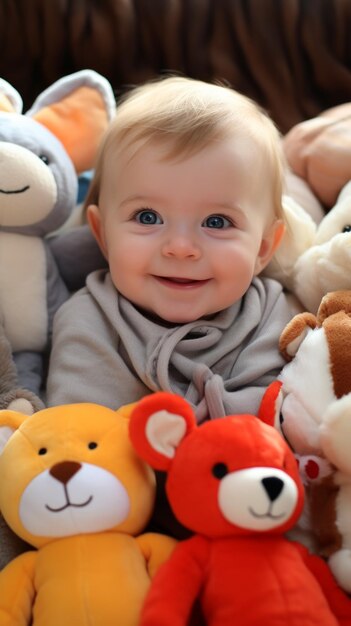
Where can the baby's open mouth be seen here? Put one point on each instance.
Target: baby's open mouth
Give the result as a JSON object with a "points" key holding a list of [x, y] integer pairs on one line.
{"points": [[177, 281]]}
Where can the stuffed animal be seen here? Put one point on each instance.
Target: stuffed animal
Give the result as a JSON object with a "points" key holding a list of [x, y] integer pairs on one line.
{"points": [[41, 153], [17, 399], [235, 483], [72, 486], [326, 265], [312, 408], [298, 237], [318, 150], [11, 395], [314, 259]]}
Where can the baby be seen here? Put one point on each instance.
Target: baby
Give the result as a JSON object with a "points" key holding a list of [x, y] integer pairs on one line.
{"points": [[185, 204]]}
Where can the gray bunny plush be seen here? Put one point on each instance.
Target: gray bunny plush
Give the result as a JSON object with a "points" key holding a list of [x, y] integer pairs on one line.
{"points": [[17, 399], [42, 153]]}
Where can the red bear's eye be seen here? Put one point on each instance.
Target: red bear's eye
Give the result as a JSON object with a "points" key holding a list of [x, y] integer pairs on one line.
{"points": [[219, 470]]}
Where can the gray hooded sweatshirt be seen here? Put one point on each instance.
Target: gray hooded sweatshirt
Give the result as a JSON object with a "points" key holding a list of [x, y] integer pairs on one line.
{"points": [[105, 350]]}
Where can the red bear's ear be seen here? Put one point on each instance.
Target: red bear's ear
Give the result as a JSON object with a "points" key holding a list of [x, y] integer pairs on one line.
{"points": [[270, 404], [158, 424]]}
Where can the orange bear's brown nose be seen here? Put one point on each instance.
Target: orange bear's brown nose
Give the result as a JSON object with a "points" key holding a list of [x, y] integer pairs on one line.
{"points": [[65, 470]]}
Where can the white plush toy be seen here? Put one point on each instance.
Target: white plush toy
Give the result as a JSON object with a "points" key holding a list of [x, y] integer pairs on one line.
{"points": [[313, 412], [326, 265], [315, 259], [42, 152], [298, 237]]}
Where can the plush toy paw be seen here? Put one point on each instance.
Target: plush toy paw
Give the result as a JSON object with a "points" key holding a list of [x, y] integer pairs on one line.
{"points": [[22, 401], [11, 395], [340, 565]]}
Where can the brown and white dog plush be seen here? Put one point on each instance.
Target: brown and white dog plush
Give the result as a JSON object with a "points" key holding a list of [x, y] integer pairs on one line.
{"points": [[313, 412]]}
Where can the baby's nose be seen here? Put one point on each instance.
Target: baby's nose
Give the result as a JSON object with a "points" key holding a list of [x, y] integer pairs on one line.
{"points": [[181, 246]]}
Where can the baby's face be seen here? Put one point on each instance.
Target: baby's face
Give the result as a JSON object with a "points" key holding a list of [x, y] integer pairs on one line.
{"points": [[185, 237]]}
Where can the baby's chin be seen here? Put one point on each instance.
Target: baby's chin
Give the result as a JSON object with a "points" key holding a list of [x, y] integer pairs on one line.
{"points": [[172, 320]]}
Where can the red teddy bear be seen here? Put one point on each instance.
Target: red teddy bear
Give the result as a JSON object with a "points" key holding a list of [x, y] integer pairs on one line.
{"points": [[235, 483]]}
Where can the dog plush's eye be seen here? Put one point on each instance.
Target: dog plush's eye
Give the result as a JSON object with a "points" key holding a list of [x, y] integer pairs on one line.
{"points": [[42, 451], [92, 445], [219, 470]]}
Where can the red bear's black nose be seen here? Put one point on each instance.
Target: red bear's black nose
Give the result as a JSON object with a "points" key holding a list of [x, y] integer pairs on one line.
{"points": [[273, 486], [65, 470]]}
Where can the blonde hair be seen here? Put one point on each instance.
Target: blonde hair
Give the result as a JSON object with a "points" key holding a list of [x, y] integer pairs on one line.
{"points": [[188, 115]]}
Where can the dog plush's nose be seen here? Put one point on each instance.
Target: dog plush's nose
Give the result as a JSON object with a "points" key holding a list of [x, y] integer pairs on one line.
{"points": [[64, 471]]}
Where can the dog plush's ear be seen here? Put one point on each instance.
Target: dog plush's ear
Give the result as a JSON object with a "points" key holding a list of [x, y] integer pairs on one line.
{"points": [[295, 332], [158, 424]]}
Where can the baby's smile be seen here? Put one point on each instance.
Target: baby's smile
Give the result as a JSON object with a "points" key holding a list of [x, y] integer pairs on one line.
{"points": [[178, 282]]}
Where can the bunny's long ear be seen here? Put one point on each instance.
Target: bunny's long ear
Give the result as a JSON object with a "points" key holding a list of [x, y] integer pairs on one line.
{"points": [[158, 424], [77, 110], [10, 100]]}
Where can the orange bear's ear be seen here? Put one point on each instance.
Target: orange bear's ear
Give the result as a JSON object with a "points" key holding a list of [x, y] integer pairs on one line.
{"points": [[158, 424], [9, 422]]}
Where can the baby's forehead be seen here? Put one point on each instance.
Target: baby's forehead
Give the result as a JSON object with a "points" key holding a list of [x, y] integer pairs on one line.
{"points": [[250, 148]]}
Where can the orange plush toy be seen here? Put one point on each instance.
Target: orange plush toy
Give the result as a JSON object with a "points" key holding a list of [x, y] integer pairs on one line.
{"points": [[235, 483], [72, 486]]}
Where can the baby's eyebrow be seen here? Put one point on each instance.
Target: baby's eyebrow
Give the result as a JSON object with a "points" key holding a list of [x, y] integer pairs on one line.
{"points": [[139, 198], [229, 206], [235, 209]]}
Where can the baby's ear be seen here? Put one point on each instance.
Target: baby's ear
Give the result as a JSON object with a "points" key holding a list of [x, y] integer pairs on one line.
{"points": [[271, 240], [158, 424], [96, 227]]}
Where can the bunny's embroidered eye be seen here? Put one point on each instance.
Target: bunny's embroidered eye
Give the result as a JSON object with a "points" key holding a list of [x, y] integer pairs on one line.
{"points": [[44, 158], [219, 470], [346, 229]]}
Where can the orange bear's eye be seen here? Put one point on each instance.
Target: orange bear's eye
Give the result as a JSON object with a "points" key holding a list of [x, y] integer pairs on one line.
{"points": [[42, 451], [219, 470], [92, 445]]}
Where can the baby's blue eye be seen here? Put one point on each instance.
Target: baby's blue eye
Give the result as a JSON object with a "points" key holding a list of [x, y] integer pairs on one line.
{"points": [[217, 221], [148, 217]]}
